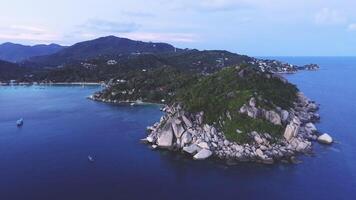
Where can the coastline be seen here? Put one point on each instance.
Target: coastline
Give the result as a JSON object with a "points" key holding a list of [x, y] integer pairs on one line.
{"points": [[131, 103], [185, 132], [48, 84]]}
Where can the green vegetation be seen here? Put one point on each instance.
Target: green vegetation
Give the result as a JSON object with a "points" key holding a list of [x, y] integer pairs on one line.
{"points": [[219, 95], [149, 85], [96, 69], [246, 124], [227, 90]]}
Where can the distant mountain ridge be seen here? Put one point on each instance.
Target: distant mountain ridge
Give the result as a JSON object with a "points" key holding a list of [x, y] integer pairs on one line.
{"points": [[12, 52], [105, 58], [110, 45]]}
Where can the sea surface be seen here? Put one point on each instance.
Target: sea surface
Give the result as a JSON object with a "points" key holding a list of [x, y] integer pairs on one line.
{"points": [[47, 157]]}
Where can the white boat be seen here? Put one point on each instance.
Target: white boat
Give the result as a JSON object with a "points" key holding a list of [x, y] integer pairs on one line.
{"points": [[132, 104], [91, 159], [19, 122]]}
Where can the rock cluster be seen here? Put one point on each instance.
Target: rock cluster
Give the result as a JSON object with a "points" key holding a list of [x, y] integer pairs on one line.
{"points": [[182, 131], [270, 115]]}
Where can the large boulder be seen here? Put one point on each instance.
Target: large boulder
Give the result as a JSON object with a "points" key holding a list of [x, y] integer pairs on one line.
{"points": [[299, 144], [273, 117], [260, 154], [186, 138], [252, 102], [191, 149], [178, 129], [203, 145], [310, 127], [284, 115], [199, 118], [312, 107], [292, 129], [187, 122], [303, 146], [325, 139], [258, 139], [203, 154], [252, 112], [149, 139], [165, 137], [302, 99]]}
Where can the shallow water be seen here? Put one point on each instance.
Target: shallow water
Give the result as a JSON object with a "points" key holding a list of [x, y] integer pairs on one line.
{"points": [[47, 157]]}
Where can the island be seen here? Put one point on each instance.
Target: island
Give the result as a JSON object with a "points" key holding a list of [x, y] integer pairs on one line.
{"points": [[238, 113]]}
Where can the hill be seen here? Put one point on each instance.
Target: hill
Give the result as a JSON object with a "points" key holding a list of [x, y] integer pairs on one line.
{"points": [[16, 52], [104, 68], [237, 113], [224, 91], [109, 45], [106, 58]]}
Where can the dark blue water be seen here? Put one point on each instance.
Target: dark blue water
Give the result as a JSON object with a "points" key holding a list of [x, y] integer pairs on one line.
{"points": [[47, 157]]}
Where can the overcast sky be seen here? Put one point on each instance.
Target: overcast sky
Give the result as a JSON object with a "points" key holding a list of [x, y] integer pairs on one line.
{"points": [[252, 27]]}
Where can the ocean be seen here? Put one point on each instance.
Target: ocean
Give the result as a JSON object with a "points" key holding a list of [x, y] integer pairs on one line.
{"points": [[47, 157]]}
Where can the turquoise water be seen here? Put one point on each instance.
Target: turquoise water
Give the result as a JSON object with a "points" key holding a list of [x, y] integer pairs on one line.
{"points": [[47, 157]]}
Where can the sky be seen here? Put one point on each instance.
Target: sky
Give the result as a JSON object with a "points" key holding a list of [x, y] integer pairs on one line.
{"points": [[251, 27]]}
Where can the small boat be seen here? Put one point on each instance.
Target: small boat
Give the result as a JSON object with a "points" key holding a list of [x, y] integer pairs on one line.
{"points": [[19, 122], [91, 159], [132, 104]]}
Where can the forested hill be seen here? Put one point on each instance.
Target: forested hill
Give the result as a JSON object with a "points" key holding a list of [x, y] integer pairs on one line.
{"points": [[110, 45], [17, 52]]}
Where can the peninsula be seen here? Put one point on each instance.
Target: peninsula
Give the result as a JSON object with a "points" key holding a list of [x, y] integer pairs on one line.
{"points": [[216, 103], [238, 113]]}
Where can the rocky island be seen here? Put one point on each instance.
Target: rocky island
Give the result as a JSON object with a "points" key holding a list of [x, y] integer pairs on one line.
{"points": [[239, 113]]}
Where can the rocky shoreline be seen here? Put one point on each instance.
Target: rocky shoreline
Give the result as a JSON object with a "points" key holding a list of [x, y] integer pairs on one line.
{"points": [[185, 132], [274, 134], [53, 83]]}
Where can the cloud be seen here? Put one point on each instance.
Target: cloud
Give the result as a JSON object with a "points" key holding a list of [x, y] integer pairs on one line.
{"points": [[105, 26], [142, 36], [141, 14], [28, 33], [327, 16], [222, 5], [352, 27], [162, 37], [28, 28], [212, 5]]}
